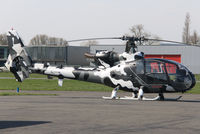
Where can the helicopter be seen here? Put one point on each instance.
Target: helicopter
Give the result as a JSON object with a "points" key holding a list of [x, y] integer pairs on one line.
{"points": [[128, 71]]}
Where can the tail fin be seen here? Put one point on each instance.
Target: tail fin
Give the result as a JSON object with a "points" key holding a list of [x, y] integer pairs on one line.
{"points": [[18, 61]]}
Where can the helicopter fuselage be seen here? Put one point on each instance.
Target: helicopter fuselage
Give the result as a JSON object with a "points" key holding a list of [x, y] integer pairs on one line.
{"points": [[155, 75]]}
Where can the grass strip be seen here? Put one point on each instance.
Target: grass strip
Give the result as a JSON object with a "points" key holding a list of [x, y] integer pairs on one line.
{"points": [[52, 85], [24, 94], [68, 85]]}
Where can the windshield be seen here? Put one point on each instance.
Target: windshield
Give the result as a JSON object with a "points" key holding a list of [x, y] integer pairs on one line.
{"points": [[178, 75], [164, 71]]}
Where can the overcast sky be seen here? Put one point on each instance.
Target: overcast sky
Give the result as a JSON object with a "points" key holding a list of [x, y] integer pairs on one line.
{"points": [[74, 19]]}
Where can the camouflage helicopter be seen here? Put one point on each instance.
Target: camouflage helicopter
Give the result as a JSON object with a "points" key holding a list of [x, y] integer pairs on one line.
{"points": [[128, 71]]}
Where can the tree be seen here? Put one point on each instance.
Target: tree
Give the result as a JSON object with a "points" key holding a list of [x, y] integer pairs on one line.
{"points": [[194, 38], [3, 39], [89, 43], [138, 31], [48, 41], [186, 29]]}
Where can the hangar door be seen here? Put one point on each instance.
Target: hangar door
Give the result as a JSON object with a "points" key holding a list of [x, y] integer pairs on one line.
{"points": [[176, 58]]}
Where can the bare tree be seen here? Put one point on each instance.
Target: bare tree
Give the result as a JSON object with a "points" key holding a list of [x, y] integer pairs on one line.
{"points": [[46, 40], [194, 38], [39, 40], [3, 39], [89, 43], [139, 31], [186, 29]]}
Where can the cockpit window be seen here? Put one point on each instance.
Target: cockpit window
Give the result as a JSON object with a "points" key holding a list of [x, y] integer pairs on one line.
{"points": [[172, 71], [140, 67], [171, 68], [155, 67], [159, 67], [155, 72]]}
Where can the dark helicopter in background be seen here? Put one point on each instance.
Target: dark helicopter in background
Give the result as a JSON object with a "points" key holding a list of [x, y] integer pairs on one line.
{"points": [[128, 71]]}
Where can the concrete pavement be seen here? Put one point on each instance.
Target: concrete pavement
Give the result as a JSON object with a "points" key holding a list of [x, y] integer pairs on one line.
{"points": [[87, 113]]}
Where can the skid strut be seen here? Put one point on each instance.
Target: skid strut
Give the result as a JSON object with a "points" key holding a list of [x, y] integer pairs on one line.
{"points": [[113, 94]]}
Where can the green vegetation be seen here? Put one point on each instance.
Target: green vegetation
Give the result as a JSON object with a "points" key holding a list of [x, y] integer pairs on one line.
{"points": [[196, 89], [68, 85], [48, 84], [8, 74], [22, 94], [197, 76], [45, 84]]}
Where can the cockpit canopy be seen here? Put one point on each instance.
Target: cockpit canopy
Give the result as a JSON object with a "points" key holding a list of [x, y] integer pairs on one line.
{"points": [[161, 71]]}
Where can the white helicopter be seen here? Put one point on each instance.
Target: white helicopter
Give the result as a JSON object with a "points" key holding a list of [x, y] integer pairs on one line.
{"points": [[128, 71]]}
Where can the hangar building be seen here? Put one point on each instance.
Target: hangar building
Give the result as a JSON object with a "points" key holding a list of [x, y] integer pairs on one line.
{"points": [[57, 55]]}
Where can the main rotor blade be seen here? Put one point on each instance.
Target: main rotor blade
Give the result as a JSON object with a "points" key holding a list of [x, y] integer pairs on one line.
{"points": [[128, 38], [105, 38], [166, 41]]}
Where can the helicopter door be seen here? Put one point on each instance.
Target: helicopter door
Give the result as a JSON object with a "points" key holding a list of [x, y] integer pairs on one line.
{"points": [[174, 74], [171, 70], [155, 72]]}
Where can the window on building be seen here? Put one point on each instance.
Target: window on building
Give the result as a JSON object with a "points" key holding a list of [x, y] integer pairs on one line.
{"points": [[2, 53]]}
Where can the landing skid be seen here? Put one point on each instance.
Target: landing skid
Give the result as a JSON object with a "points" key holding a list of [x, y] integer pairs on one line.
{"points": [[111, 98], [140, 96], [131, 98], [173, 99], [143, 99]]}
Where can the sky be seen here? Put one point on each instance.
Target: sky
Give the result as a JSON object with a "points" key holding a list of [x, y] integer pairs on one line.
{"points": [[75, 19]]}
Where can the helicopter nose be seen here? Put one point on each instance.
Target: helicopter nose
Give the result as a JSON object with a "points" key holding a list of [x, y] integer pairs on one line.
{"points": [[189, 81], [185, 80], [193, 80]]}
